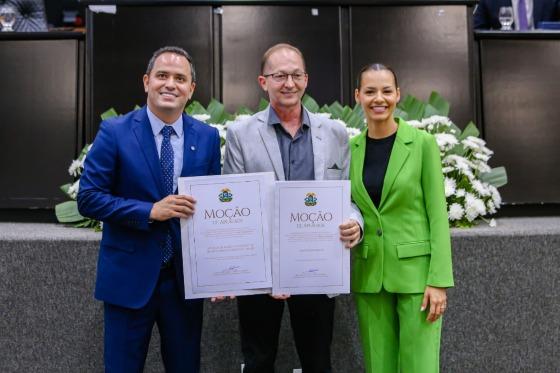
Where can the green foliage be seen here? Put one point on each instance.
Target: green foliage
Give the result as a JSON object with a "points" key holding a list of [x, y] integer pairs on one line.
{"points": [[412, 108], [243, 110], [470, 130], [353, 117], [65, 188], [67, 212], [439, 104], [109, 114], [89, 223], [218, 112], [496, 177], [195, 108], [310, 104], [262, 104]]}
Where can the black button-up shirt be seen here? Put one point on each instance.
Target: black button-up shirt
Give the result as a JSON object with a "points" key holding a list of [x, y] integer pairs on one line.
{"points": [[296, 152]]}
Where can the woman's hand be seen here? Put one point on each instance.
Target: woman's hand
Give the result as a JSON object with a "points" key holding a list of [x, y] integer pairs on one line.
{"points": [[437, 298]]}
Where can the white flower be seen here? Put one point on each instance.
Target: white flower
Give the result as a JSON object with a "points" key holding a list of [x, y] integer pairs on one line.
{"points": [[221, 129], [201, 117], [473, 207], [229, 122], [480, 187], [456, 211], [343, 123], [490, 207], [460, 192], [325, 115], [462, 164], [492, 223], [73, 189], [476, 144], [481, 166], [485, 150], [416, 124], [482, 157], [447, 169], [242, 117], [469, 174], [476, 140], [74, 169], [352, 131], [496, 197], [446, 141], [450, 186], [436, 120], [470, 145]]}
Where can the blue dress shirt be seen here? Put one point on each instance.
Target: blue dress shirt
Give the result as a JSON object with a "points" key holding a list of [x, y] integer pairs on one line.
{"points": [[177, 140]]}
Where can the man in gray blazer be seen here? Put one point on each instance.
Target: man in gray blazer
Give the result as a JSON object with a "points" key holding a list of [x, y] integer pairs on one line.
{"points": [[295, 144]]}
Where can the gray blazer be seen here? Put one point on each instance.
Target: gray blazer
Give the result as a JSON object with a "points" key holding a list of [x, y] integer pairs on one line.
{"points": [[252, 146]]}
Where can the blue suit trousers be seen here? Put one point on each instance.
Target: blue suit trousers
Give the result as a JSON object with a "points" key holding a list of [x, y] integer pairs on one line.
{"points": [[128, 331]]}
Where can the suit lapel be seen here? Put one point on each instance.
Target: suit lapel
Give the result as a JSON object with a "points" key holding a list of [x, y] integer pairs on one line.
{"points": [[145, 137], [362, 197], [190, 145], [268, 135], [399, 155], [318, 146]]}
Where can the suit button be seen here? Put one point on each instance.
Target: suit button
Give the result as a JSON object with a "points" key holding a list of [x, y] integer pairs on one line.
{"points": [[379, 232]]}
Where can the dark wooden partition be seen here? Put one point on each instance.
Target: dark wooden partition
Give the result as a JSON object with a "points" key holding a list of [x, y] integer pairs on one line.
{"points": [[428, 42], [248, 31], [428, 46], [520, 80], [40, 115], [120, 45]]}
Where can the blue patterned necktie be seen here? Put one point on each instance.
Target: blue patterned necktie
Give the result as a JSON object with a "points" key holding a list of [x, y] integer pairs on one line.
{"points": [[166, 162], [522, 15]]}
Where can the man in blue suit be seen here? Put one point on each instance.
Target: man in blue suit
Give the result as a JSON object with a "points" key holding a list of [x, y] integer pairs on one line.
{"points": [[129, 183], [486, 13]]}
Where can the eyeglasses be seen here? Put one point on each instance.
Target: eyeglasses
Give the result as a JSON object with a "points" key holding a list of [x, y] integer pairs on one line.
{"points": [[281, 77]]}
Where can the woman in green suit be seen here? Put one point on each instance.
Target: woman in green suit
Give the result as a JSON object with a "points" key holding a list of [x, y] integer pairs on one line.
{"points": [[402, 268]]}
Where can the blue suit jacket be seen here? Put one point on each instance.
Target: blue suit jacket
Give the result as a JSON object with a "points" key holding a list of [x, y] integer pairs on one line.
{"points": [[122, 179], [486, 12]]}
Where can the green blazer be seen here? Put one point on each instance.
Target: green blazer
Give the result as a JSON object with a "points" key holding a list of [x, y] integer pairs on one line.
{"points": [[406, 243]]}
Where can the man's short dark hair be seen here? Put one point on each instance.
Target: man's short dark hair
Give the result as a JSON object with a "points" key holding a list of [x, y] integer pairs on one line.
{"points": [[175, 50]]}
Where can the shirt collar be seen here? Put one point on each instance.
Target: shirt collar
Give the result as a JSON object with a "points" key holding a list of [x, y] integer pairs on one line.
{"points": [[273, 117], [157, 124]]}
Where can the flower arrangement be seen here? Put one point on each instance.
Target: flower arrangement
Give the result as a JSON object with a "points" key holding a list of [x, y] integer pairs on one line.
{"points": [[67, 212], [470, 184]]}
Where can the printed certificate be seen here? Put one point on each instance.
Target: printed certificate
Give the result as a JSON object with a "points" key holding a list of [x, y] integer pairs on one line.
{"points": [[226, 243], [308, 255]]}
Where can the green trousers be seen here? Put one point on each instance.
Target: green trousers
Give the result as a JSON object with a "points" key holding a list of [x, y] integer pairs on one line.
{"points": [[396, 338]]}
